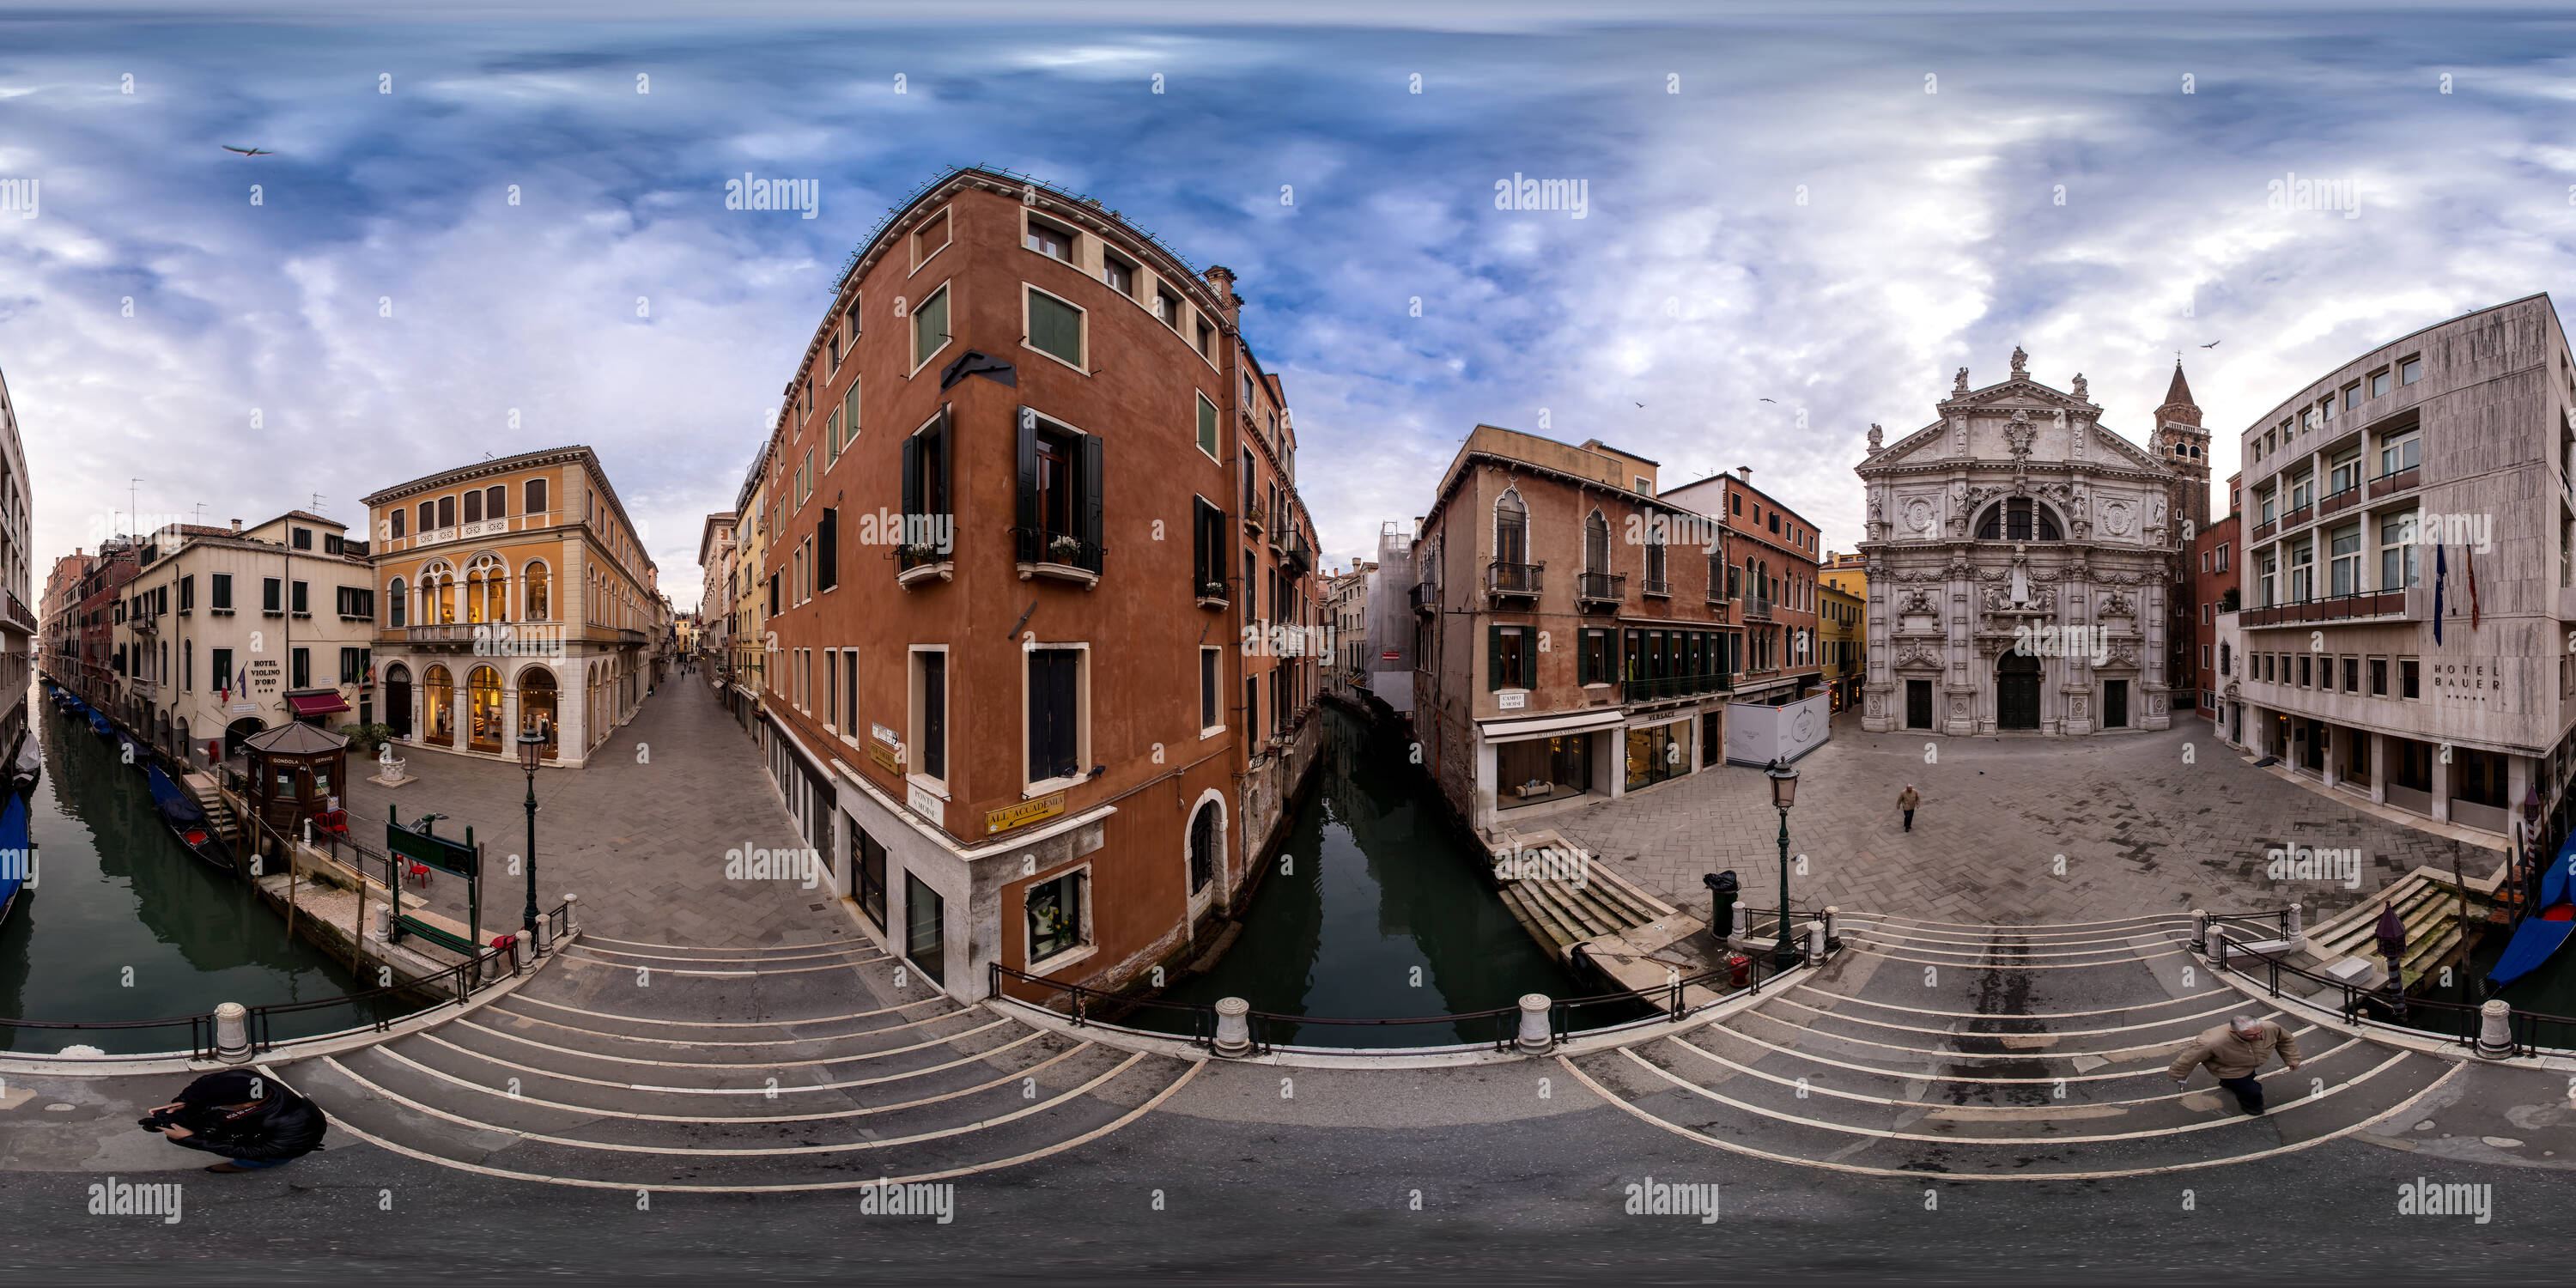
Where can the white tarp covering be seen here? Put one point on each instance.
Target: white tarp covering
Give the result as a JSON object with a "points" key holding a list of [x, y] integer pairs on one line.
{"points": [[1758, 734]]}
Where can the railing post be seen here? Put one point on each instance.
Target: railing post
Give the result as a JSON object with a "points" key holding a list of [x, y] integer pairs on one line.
{"points": [[2200, 931], [1815, 941], [2217, 949], [572, 903], [1830, 941], [232, 1033], [1536, 1037], [2495, 1030], [1233, 1030]]}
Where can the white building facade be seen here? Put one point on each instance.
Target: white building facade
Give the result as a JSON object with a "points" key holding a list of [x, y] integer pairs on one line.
{"points": [[2020, 559]]}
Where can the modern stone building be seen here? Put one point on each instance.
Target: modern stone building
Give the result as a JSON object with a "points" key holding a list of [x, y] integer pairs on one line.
{"points": [[2017, 518], [2408, 571]]}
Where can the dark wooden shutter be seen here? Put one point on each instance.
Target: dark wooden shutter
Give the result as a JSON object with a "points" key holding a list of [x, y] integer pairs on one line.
{"points": [[1493, 658], [827, 545], [1198, 545], [1032, 542], [1088, 516], [947, 461], [911, 477]]}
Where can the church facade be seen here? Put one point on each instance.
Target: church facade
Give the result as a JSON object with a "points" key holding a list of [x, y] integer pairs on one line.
{"points": [[2023, 560]]}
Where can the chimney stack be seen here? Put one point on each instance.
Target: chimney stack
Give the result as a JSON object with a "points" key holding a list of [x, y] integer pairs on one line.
{"points": [[236, 527], [1744, 473]]}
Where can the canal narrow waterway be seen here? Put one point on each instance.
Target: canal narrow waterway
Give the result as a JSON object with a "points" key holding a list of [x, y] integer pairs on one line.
{"points": [[1374, 909], [123, 924]]}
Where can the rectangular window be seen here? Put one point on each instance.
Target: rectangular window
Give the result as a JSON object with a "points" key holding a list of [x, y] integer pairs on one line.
{"points": [[924, 918], [930, 719], [1209, 716], [1055, 916], [827, 546], [2222, 556], [2379, 677], [536, 500], [930, 238], [2307, 677], [219, 669], [2343, 571], [849, 419], [300, 668], [2351, 396], [2352, 675], [1592, 658], [352, 668], [187, 593], [1167, 308], [1207, 339], [2407, 678], [1507, 659], [2410, 371], [1207, 427], [447, 512], [2379, 382], [2344, 470], [831, 688], [2400, 451], [1118, 274], [2303, 572], [1055, 327], [1047, 239], [1055, 741], [302, 538], [930, 327], [271, 593], [2397, 552]]}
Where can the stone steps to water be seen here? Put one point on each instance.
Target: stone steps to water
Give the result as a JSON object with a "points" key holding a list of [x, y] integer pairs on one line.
{"points": [[733, 1070], [1998, 1053]]}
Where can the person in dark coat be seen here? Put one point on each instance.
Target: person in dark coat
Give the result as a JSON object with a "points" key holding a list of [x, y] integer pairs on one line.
{"points": [[252, 1120]]}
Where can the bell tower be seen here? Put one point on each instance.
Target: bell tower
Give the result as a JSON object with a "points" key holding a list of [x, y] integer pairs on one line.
{"points": [[2184, 447]]}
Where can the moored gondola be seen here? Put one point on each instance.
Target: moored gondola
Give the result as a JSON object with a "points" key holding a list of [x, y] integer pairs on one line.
{"points": [[28, 766], [187, 820]]}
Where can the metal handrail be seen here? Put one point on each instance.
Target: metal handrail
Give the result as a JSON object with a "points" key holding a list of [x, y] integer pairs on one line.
{"points": [[2355, 1002]]}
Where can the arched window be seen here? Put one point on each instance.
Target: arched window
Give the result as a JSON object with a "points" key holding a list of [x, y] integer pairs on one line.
{"points": [[1204, 841], [487, 589], [537, 704], [536, 497], [1511, 528], [394, 604], [437, 593], [533, 599], [428, 516], [1596, 543], [2018, 519]]}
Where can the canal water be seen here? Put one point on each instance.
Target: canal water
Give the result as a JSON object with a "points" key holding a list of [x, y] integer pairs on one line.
{"points": [[1374, 909], [123, 924]]}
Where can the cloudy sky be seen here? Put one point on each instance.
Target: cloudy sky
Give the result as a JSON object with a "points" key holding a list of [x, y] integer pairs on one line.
{"points": [[1828, 206]]}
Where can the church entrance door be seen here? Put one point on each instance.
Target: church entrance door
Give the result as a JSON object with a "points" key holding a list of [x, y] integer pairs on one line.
{"points": [[2017, 691]]}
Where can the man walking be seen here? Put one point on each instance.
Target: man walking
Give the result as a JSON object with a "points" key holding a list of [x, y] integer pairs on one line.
{"points": [[1907, 801], [2235, 1052]]}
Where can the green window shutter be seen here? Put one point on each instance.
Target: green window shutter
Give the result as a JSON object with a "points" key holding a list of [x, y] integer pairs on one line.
{"points": [[1207, 426], [1055, 326], [1583, 657], [1493, 658]]}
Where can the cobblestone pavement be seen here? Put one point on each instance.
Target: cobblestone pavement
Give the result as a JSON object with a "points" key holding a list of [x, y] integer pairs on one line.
{"points": [[642, 841], [2140, 830]]}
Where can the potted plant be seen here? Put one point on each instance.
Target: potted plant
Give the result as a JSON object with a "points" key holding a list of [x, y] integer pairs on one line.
{"points": [[920, 552], [1063, 548], [1212, 590]]}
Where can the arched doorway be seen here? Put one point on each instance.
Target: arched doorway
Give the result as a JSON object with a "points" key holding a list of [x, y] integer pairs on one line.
{"points": [[1205, 851], [438, 695], [2017, 691], [483, 728], [537, 705], [398, 699], [238, 730]]}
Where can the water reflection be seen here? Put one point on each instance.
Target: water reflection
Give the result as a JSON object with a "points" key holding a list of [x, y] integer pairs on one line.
{"points": [[1379, 912], [125, 925]]}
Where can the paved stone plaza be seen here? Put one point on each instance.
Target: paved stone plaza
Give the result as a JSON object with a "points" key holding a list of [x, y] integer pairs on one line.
{"points": [[642, 841], [2140, 829]]}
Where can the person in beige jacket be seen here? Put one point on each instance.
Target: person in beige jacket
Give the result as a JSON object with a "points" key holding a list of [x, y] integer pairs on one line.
{"points": [[2235, 1052], [1906, 801]]}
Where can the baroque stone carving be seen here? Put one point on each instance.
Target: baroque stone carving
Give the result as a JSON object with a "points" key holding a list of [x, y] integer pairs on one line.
{"points": [[1874, 434]]}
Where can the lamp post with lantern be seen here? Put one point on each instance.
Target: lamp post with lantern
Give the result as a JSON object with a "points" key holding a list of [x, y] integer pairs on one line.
{"points": [[1784, 793], [531, 746]]}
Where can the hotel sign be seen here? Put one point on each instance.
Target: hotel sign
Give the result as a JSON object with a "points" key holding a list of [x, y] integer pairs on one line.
{"points": [[887, 758], [1024, 813]]}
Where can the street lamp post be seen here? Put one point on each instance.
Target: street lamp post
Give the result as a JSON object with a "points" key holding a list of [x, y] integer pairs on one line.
{"points": [[1784, 793], [531, 745]]}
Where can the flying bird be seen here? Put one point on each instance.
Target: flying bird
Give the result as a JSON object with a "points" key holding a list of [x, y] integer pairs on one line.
{"points": [[248, 152], [2213, 344], [1634, 400], [1771, 400]]}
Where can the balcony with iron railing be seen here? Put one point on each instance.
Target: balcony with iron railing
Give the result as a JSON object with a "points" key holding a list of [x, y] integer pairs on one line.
{"points": [[1757, 610], [2329, 608], [1256, 517], [2396, 481], [1426, 598], [1658, 587], [918, 562], [2264, 530], [1507, 580], [2298, 516], [1059, 555], [19, 619], [2342, 500], [1600, 589]]}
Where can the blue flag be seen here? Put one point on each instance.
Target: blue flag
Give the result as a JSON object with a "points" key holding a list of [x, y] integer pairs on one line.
{"points": [[2441, 569]]}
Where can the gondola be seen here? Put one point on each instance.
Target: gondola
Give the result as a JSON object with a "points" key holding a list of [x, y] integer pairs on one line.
{"points": [[17, 855], [98, 724], [28, 767], [187, 820]]}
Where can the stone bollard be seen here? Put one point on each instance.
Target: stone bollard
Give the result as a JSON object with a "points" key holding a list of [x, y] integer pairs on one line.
{"points": [[2200, 930], [1815, 937], [2218, 949], [1233, 1030], [537, 940], [1742, 919], [2296, 931], [382, 927], [1831, 943], [232, 1033], [1536, 1036], [572, 905], [2495, 1030]]}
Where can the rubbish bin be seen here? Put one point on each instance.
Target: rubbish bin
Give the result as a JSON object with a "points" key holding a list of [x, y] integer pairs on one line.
{"points": [[1739, 971], [1721, 904]]}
